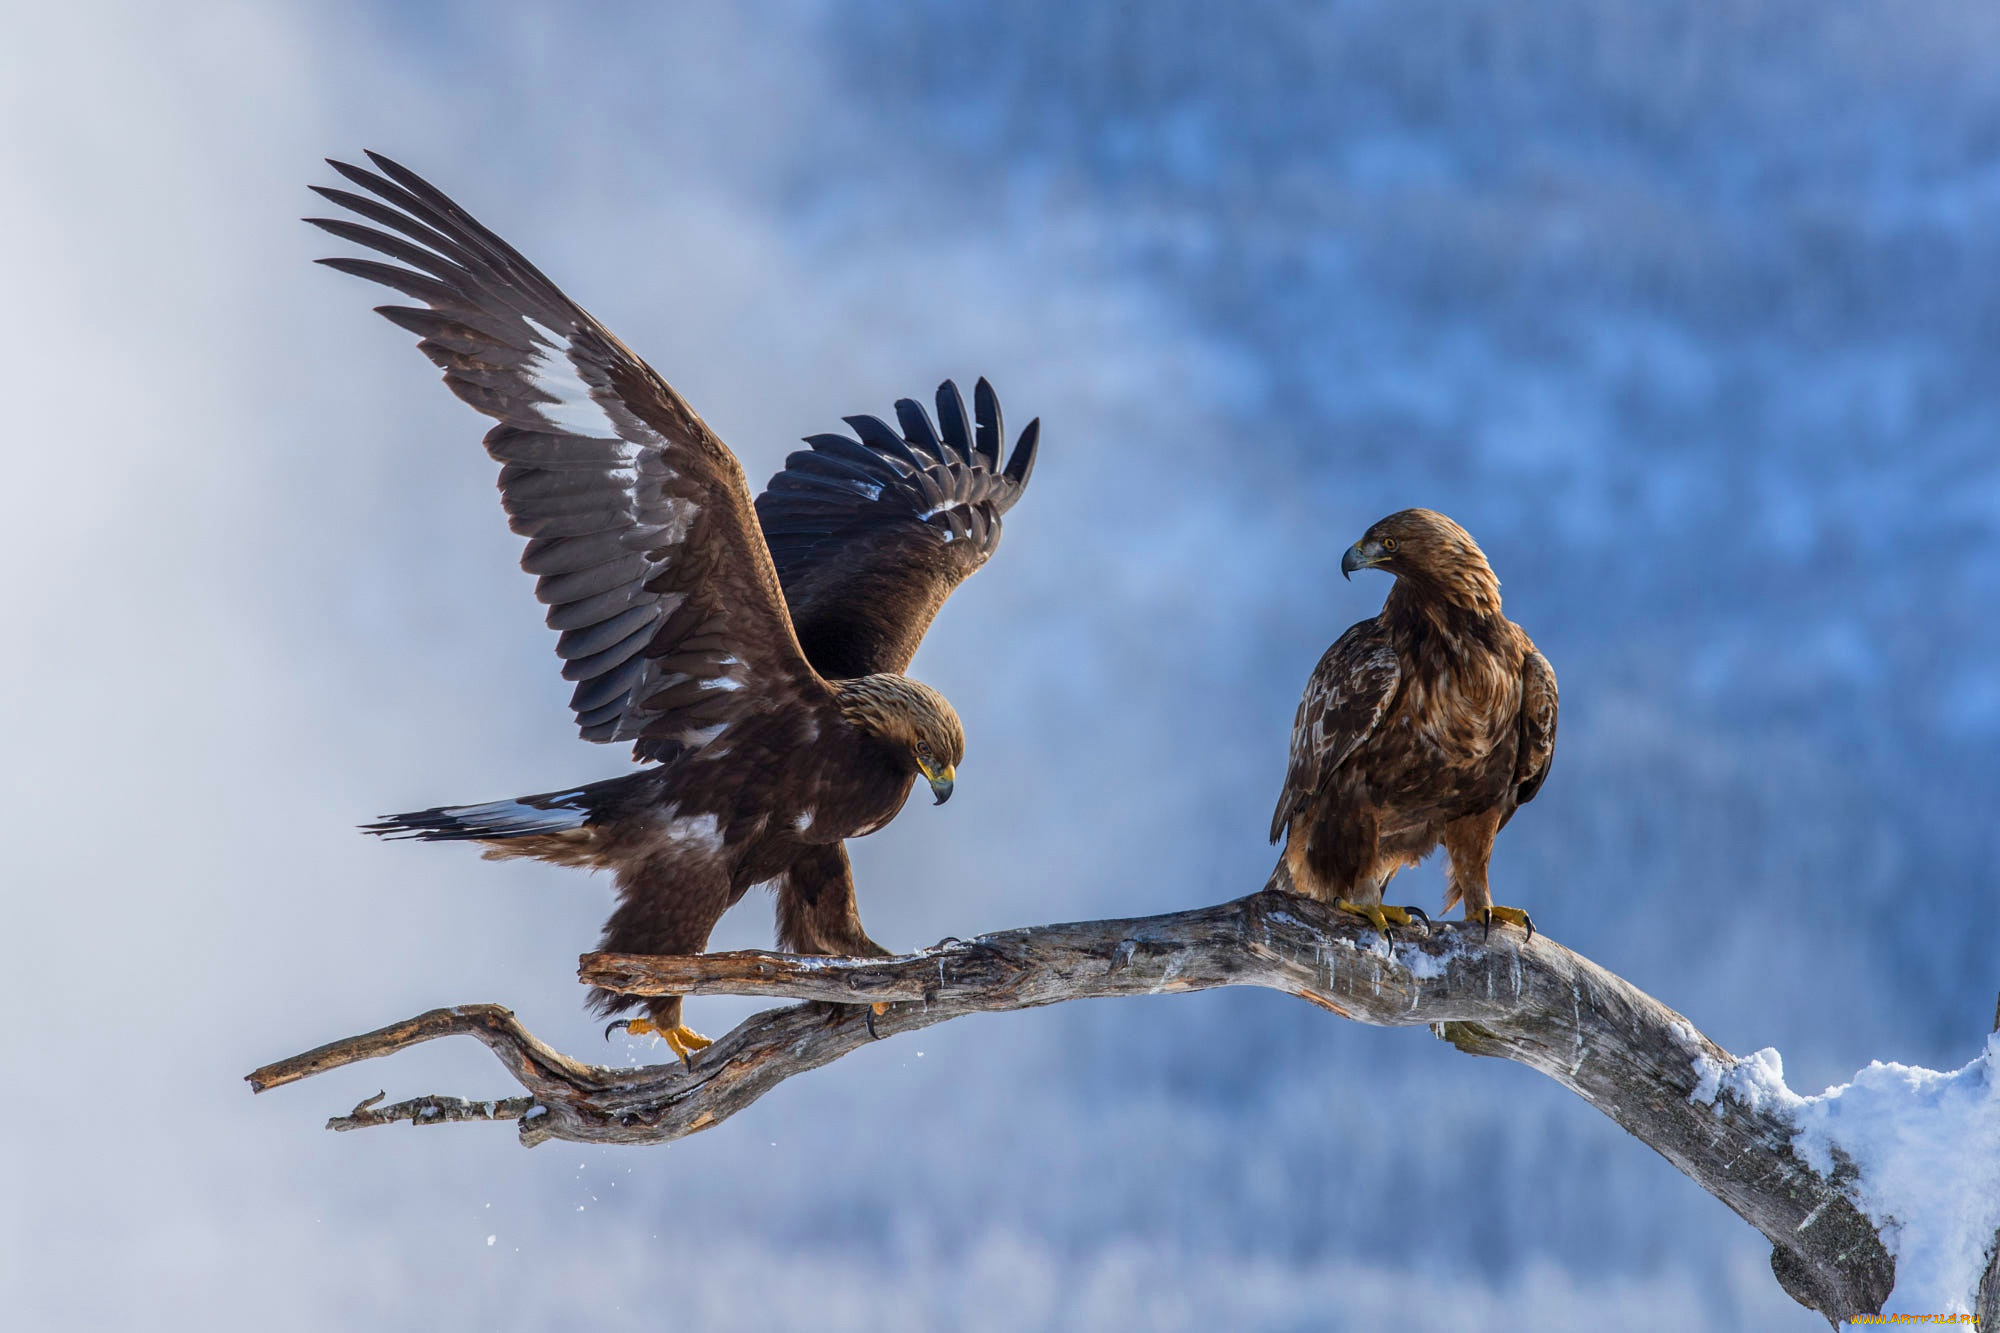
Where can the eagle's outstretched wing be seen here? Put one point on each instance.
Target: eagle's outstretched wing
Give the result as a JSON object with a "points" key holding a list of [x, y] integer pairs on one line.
{"points": [[1352, 687], [639, 523], [871, 534]]}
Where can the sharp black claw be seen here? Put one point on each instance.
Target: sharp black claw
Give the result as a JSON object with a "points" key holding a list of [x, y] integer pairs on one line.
{"points": [[1487, 921], [1530, 923], [868, 1017], [618, 1023], [1420, 912]]}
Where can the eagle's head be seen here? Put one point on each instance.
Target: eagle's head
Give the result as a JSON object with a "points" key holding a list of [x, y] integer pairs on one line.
{"points": [[913, 720], [1424, 548]]}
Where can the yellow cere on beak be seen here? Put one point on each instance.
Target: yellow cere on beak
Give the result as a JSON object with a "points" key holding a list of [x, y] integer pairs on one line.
{"points": [[940, 781]]}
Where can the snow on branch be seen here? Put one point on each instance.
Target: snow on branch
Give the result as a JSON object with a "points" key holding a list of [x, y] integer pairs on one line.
{"points": [[1899, 1163]]}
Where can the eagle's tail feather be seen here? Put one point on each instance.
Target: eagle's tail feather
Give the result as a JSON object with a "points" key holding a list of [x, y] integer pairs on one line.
{"points": [[524, 816]]}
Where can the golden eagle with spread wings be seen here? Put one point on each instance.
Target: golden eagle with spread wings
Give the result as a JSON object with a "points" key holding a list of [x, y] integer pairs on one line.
{"points": [[1432, 722], [752, 654]]}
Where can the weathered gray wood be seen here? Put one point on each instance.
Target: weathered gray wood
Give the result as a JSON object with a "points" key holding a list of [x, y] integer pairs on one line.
{"points": [[1532, 1001], [1987, 1309]]}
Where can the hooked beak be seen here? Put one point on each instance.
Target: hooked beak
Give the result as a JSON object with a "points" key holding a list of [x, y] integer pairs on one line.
{"points": [[1362, 555], [940, 781]]}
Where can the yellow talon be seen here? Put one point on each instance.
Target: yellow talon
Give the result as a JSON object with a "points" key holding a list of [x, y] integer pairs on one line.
{"points": [[1381, 916], [1513, 916], [1372, 914], [683, 1040]]}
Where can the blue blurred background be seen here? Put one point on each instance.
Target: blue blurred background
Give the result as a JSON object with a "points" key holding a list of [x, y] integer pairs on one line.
{"points": [[1689, 312]]}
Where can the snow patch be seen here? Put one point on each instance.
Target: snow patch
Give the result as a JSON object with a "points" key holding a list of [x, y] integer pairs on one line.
{"points": [[1421, 965], [1926, 1146], [1757, 1081], [1425, 966], [1708, 1081]]}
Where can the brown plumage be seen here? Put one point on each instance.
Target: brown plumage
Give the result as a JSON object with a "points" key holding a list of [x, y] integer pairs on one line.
{"points": [[1430, 723], [753, 654]]}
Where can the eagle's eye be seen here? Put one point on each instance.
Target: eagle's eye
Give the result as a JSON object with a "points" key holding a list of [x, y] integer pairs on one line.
{"points": [[923, 751], [1388, 543]]}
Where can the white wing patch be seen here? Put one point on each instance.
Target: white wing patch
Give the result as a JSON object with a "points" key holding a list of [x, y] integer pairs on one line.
{"points": [[699, 736], [509, 817], [659, 536], [803, 821], [698, 832], [725, 681], [575, 410]]}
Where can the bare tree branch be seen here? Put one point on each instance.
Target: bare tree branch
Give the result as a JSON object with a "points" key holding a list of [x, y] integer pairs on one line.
{"points": [[1532, 1001], [1987, 1310]]}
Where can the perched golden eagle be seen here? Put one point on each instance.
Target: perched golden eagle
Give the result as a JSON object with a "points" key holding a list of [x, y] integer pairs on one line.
{"points": [[752, 654], [1432, 722]]}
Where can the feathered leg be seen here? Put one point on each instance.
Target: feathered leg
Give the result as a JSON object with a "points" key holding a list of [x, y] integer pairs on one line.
{"points": [[1343, 863], [816, 911], [1469, 844], [667, 906], [1330, 847]]}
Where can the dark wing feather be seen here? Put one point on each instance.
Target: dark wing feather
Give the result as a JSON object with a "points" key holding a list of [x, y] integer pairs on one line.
{"points": [[1351, 690], [641, 533], [870, 534], [1539, 704]]}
